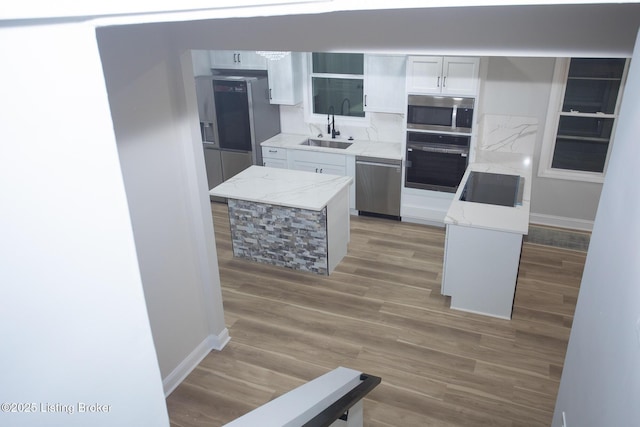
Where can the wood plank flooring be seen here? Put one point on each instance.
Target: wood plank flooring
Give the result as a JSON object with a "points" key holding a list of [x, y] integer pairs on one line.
{"points": [[381, 312]]}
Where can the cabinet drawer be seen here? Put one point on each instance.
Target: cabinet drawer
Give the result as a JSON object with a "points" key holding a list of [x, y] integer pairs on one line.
{"points": [[319, 168], [275, 163], [274, 153], [318, 157]]}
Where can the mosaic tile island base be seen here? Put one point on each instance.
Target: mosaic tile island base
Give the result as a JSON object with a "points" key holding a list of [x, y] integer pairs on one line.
{"points": [[287, 237], [288, 218]]}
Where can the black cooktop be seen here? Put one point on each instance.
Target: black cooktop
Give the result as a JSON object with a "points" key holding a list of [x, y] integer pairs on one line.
{"points": [[492, 188]]}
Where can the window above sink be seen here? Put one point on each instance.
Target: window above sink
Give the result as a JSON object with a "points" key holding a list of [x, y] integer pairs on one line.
{"points": [[337, 84]]}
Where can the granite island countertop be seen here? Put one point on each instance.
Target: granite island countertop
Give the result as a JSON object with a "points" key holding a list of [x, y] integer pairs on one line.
{"points": [[382, 149], [283, 187]]}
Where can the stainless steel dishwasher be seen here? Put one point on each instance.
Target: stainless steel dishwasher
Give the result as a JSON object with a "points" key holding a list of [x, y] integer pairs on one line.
{"points": [[378, 184]]}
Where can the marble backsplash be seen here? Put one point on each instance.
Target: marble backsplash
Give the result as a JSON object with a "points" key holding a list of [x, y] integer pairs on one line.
{"points": [[382, 126], [511, 134]]}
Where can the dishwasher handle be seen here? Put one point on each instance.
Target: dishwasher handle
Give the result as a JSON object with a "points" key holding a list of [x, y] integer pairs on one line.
{"points": [[384, 165]]}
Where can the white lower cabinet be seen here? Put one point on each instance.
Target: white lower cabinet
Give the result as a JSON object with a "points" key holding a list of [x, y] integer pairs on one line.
{"points": [[480, 269], [274, 163], [274, 157], [314, 161], [425, 206], [319, 168]]}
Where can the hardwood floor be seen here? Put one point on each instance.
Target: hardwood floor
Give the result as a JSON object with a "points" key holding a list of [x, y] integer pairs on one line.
{"points": [[381, 312]]}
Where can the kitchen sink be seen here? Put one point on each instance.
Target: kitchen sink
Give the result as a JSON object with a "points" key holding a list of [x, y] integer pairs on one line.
{"points": [[327, 144]]}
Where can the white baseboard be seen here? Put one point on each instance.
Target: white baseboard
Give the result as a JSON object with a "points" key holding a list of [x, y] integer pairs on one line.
{"points": [[481, 312], [218, 342], [561, 221], [212, 342]]}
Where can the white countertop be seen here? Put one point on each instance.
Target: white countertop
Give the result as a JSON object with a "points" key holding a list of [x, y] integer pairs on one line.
{"points": [[283, 187], [494, 217], [387, 150]]}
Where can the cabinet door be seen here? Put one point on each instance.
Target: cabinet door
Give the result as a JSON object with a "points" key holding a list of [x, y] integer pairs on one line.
{"points": [[318, 157], [332, 170], [250, 60], [274, 163], [460, 75], [319, 168], [285, 79], [274, 153], [223, 58], [384, 83], [237, 59], [274, 157], [318, 162], [306, 166], [424, 74]]}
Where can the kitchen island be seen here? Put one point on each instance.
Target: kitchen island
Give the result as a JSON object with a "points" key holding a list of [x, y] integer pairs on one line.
{"points": [[288, 218]]}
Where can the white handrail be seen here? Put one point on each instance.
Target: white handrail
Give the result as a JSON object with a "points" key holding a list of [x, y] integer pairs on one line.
{"points": [[300, 405]]}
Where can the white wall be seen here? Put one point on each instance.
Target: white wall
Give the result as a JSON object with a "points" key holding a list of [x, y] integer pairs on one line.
{"points": [[162, 164], [601, 378], [521, 86], [73, 321]]}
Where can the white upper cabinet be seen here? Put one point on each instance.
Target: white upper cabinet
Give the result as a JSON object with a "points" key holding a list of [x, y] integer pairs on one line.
{"points": [[460, 75], [384, 83], [424, 74], [286, 79], [237, 59], [442, 75]]}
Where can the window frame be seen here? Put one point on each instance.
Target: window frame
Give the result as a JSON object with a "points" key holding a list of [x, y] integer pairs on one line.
{"points": [[321, 119], [554, 112]]}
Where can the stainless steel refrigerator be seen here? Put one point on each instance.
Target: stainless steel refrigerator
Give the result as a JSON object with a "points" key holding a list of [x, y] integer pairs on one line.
{"points": [[235, 117]]}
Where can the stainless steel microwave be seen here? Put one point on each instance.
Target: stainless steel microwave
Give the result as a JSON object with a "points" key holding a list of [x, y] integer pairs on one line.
{"points": [[440, 113]]}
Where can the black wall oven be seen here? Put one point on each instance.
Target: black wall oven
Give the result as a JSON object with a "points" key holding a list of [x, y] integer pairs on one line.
{"points": [[436, 161], [440, 113]]}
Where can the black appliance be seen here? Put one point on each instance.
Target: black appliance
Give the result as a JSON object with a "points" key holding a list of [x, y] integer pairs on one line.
{"points": [[436, 161], [440, 113], [493, 188]]}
